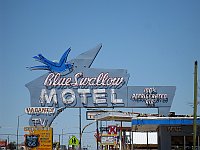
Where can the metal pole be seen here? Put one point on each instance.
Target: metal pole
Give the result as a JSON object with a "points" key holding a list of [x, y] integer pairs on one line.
{"points": [[132, 138], [184, 142], [59, 140], [17, 130], [62, 136], [97, 134], [120, 137], [100, 134], [195, 106], [80, 128], [8, 140], [86, 127], [147, 140]]}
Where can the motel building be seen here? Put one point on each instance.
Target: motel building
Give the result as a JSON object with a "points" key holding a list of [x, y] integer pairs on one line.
{"points": [[147, 132]]}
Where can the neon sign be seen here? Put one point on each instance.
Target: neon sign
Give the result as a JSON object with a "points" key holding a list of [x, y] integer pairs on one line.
{"points": [[78, 85], [60, 66], [101, 80], [150, 96]]}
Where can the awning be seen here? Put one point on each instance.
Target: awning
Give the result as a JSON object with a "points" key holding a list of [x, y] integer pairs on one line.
{"points": [[116, 116]]}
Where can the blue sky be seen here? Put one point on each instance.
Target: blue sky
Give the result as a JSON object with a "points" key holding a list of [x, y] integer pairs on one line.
{"points": [[156, 41]]}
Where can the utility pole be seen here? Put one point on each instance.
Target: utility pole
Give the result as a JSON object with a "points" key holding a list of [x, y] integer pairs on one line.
{"points": [[17, 131], [195, 105], [18, 117]]}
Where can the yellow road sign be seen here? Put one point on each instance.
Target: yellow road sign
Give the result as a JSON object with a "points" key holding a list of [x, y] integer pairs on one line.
{"points": [[73, 141], [45, 137]]}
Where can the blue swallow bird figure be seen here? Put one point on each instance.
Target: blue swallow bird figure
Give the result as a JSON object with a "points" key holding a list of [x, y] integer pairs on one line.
{"points": [[58, 67]]}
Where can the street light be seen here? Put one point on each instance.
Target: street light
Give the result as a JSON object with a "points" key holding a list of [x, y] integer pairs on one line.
{"points": [[18, 128], [84, 129]]}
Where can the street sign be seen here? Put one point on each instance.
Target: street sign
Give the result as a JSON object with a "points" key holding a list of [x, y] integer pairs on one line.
{"points": [[32, 140], [90, 115], [108, 140], [45, 138], [112, 130], [73, 141]]}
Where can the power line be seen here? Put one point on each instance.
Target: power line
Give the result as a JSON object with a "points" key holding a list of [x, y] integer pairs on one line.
{"points": [[11, 134]]}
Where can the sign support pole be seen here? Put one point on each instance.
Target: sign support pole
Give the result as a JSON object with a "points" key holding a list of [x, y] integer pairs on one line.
{"points": [[62, 136], [59, 140], [120, 137], [195, 106], [80, 128], [97, 124]]}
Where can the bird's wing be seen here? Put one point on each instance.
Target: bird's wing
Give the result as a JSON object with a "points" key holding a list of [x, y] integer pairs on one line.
{"points": [[63, 59], [43, 60], [39, 68]]}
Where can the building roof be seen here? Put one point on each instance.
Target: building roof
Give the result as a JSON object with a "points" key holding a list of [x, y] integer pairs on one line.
{"points": [[164, 120], [147, 123], [116, 116]]}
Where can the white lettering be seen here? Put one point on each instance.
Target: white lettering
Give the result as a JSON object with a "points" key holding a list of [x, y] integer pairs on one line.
{"points": [[99, 96], [76, 76], [39, 121], [114, 99], [174, 129], [44, 98], [83, 95], [103, 79], [68, 96], [150, 90], [148, 96], [39, 110]]}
